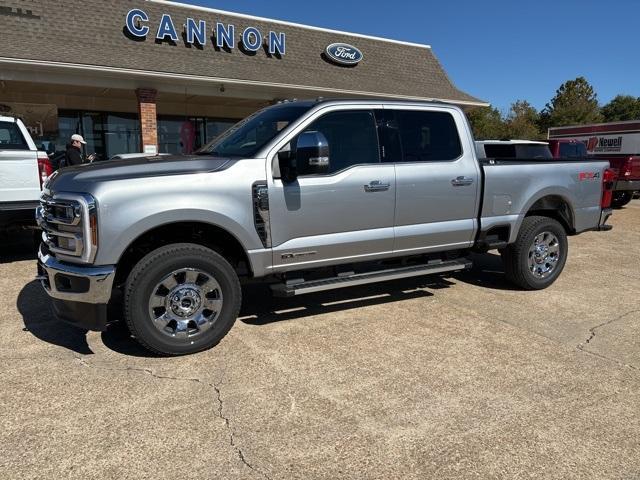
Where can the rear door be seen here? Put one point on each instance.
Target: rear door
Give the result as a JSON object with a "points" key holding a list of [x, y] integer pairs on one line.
{"points": [[345, 215], [437, 178], [19, 179]]}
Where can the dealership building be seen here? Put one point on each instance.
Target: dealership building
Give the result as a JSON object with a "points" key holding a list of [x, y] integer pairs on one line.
{"points": [[151, 75]]}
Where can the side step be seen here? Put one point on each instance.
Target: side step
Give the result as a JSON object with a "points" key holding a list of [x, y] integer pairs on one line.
{"points": [[300, 288]]}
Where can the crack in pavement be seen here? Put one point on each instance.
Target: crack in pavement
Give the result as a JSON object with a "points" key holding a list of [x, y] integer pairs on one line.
{"points": [[216, 388], [592, 335], [232, 440]]}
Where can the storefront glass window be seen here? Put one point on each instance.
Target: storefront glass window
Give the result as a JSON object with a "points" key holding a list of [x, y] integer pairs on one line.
{"points": [[106, 134], [185, 135]]}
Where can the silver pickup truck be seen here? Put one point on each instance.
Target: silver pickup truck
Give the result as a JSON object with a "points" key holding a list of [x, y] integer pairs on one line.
{"points": [[307, 196]]}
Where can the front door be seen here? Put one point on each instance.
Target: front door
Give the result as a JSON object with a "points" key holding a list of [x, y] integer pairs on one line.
{"points": [[437, 178], [341, 216]]}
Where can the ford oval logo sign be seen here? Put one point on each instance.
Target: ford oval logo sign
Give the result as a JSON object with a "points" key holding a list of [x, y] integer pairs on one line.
{"points": [[344, 54]]}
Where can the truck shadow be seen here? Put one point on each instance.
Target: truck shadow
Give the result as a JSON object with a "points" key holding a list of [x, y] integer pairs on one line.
{"points": [[261, 308], [35, 307], [487, 272]]}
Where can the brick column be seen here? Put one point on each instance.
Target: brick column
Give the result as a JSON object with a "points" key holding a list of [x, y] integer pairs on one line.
{"points": [[148, 119]]}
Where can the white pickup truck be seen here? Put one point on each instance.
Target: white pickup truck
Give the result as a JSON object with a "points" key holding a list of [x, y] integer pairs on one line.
{"points": [[23, 169]]}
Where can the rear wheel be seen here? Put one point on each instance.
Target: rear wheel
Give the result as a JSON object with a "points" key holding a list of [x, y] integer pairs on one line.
{"points": [[620, 199], [181, 299], [538, 255]]}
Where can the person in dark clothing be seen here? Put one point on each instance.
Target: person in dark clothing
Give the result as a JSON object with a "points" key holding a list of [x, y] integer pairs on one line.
{"points": [[74, 151]]}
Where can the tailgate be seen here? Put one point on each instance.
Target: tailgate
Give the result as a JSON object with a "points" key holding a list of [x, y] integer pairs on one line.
{"points": [[19, 178]]}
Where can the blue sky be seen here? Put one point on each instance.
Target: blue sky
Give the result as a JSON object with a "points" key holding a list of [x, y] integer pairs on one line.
{"points": [[497, 50]]}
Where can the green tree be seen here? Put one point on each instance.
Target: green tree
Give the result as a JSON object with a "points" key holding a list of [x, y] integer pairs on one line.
{"points": [[487, 123], [523, 121], [622, 107], [575, 103]]}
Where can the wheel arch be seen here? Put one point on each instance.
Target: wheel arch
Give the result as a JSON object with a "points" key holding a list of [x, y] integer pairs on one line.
{"points": [[556, 205], [201, 233]]}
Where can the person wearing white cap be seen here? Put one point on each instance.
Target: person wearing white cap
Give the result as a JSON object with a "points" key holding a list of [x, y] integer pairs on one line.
{"points": [[73, 156]]}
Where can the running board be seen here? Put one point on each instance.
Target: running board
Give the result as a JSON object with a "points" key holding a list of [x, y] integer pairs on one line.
{"points": [[301, 287]]}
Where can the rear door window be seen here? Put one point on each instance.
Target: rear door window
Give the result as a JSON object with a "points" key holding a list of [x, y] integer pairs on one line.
{"points": [[11, 138], [427, 136]]}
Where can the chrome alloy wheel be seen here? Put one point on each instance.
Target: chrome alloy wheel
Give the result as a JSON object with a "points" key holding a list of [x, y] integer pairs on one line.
{"points": [[185, 303], [544, 254]]}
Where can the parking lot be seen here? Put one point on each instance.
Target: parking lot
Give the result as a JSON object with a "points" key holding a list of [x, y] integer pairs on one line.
{"points": [[457, 377]]}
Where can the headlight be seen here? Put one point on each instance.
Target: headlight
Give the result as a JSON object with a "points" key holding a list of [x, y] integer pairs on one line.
{"points": [[70, 225]]}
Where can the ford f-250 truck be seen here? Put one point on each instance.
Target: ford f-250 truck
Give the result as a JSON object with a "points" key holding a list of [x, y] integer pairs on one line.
{"points": [[309, 196]]}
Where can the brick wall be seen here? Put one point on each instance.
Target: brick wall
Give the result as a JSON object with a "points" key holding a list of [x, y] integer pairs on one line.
{"points": [[148, 118]]}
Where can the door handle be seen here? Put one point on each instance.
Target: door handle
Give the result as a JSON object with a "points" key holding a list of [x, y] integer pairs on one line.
{"points": [[377, 186], [462, 181]]}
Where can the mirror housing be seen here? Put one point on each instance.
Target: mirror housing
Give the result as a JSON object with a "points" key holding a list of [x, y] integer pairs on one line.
{"points": [[312, 153], [309, 156]]}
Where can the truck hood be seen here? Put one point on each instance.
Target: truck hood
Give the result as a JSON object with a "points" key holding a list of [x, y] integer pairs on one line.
{"points": [[81, 177]]}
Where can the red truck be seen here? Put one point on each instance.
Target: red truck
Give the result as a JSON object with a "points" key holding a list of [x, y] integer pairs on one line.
{"points": [[617, 142]]}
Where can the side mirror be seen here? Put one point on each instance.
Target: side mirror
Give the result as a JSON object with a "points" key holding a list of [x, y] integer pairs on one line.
{"points": [[309, 155], [312, 153]]}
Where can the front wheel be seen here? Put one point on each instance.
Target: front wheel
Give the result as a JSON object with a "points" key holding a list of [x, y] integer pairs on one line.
{"points": [[620, 199], [181, 299], [538, 255]]}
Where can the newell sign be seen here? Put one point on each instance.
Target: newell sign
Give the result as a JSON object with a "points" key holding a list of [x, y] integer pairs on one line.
{"points": [[618, 143]]}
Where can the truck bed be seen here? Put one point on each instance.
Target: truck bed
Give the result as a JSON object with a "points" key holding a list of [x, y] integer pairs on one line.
{"points": [[512, 187]]}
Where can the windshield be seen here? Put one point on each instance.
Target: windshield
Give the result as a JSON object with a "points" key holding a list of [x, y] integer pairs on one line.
{"points": [[248, 136]]}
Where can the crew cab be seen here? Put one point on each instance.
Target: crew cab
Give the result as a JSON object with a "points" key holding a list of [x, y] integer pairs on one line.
{"points": [[23, 169], [307, 196]]}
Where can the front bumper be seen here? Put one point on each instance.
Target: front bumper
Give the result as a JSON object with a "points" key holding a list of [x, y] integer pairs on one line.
{"points": [[80, 293], [627, 186]]}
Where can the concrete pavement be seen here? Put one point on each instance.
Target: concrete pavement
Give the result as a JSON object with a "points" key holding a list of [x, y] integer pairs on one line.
{"points": [[461, 377]]}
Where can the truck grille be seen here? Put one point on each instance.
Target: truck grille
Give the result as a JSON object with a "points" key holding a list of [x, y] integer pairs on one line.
{"points": [[67, 226]]}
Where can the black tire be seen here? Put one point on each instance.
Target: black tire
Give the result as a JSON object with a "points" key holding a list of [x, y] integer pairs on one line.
{"points": [[157, 265], [620, 199], [516, 256]]}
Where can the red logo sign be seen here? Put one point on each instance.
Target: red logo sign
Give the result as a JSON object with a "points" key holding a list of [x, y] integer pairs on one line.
{"points": [[592, 144]]}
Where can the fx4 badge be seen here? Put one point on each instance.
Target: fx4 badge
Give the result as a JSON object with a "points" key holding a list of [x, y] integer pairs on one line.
{"points": [[584, 176]]}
